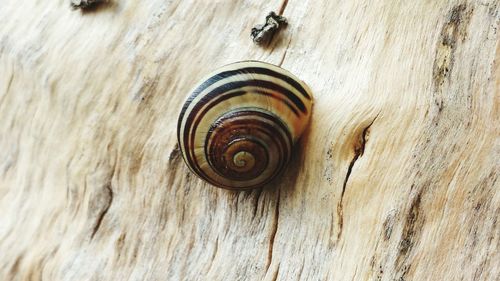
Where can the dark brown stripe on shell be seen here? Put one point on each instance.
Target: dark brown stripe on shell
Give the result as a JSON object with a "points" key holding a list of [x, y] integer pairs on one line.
{"points": [[259, 84], [254, 70], [282, 141]]}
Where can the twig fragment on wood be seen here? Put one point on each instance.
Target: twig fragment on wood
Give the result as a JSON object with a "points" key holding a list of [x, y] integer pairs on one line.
{"points": [[262, 34], [85, 4]]}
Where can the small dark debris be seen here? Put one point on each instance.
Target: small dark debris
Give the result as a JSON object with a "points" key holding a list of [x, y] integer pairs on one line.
{"points": [[262, 34], [85, 4]]}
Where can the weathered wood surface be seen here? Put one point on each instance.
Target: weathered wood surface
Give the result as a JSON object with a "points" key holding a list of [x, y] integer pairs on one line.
{"points": [[395, 179]]}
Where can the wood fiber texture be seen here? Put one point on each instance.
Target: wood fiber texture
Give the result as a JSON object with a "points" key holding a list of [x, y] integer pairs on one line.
{"points": [[396, 178]]}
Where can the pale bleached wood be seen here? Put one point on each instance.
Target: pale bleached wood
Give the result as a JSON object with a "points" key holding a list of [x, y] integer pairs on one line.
{"points": [[395, 179]]}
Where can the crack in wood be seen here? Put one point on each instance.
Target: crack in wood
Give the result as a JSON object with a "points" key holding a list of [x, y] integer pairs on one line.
{"points": [[9, 84], [105, 210], [286, 51], [275, 277], [283, 7], [273, 233], [281, 11], [358, 152], [299, 276], [16, 265], [258, 193], [216, 249]]}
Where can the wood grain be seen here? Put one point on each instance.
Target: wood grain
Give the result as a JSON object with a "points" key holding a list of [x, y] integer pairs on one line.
{"points": [[396, 177]]}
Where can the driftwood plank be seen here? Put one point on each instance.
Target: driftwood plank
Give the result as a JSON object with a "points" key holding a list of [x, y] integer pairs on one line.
{"points": [[395, 179]]}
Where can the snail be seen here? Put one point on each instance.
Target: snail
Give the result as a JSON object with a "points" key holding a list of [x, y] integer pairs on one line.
{"points": [[238, 127]]}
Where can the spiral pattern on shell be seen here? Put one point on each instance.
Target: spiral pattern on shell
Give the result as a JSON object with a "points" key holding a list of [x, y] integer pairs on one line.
{"points": [[238, 127]]}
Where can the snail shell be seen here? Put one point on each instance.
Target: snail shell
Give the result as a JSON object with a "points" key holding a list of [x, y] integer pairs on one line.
{"points": [[238, 127]]}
